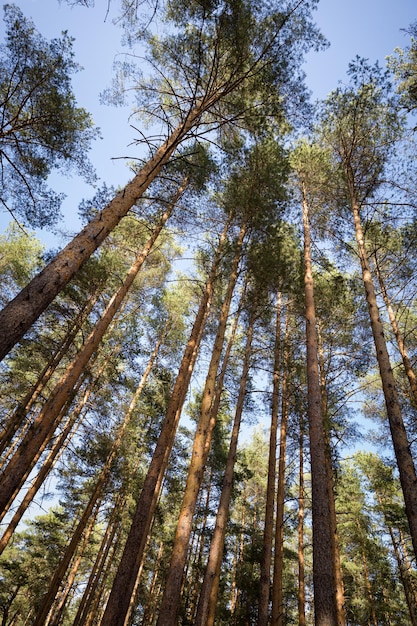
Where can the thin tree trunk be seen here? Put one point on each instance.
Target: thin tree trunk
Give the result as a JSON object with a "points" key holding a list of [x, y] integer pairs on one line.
{"points": [[408, 477], [398, 335], [208, 595], [323, 578], [265, 576], [277, 617], [44, 425], [301, 507], [117, 609], [201, 447]]}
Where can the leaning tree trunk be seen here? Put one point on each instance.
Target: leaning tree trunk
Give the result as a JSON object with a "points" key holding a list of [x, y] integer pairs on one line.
{"points": [[117, 609], [277, 617], [208, 594], [18, 316], [42, 429], [323, 578], [412, 379], [171, 599], [407, 471], [265, 577]]}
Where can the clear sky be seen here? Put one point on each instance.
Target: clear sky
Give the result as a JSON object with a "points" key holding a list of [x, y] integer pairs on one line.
{"points": [[368, 28]]}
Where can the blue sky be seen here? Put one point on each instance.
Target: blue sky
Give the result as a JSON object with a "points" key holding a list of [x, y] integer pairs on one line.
{"points": [[368, 28]]}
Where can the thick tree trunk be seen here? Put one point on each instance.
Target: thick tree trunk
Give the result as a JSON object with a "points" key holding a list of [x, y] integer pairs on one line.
{"points": [[117, 609], [277, 617], [398, 335], [323, 578], [201, 447], [18, 316], [408, 477], [265, 577], [43, 427], [208, 595]]}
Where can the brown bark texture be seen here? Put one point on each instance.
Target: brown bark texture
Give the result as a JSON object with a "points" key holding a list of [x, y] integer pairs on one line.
{"points": [[323, 577]]}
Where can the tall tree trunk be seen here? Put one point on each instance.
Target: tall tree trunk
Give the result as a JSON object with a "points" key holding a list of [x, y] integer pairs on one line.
{"points": [[44, 425], [300, 529], [337, 568], [277, 617], [323, 578], [208, 595], [117, 609], [407, 471], [201, 447], [398, 335], [18, 316], [265, 577]]}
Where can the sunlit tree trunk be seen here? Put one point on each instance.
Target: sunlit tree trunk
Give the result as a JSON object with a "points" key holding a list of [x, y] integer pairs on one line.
{"points": [[208, 596], [265, 578], [18, 316], [117, 609], [42, 429], [323, 577], [201, 447]]}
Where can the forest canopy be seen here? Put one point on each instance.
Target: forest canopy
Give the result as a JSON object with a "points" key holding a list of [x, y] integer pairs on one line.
{"points": [[209, 397]]}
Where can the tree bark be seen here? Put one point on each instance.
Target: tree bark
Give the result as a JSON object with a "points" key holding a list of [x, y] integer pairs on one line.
{"points": [[323, 578], [44, 425], [265, 576], [208, 595], [201, 447], [117, 609], [18, 316]]}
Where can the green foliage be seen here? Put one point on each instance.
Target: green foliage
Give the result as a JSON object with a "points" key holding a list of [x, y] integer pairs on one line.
{"points": [[41, 126]]}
